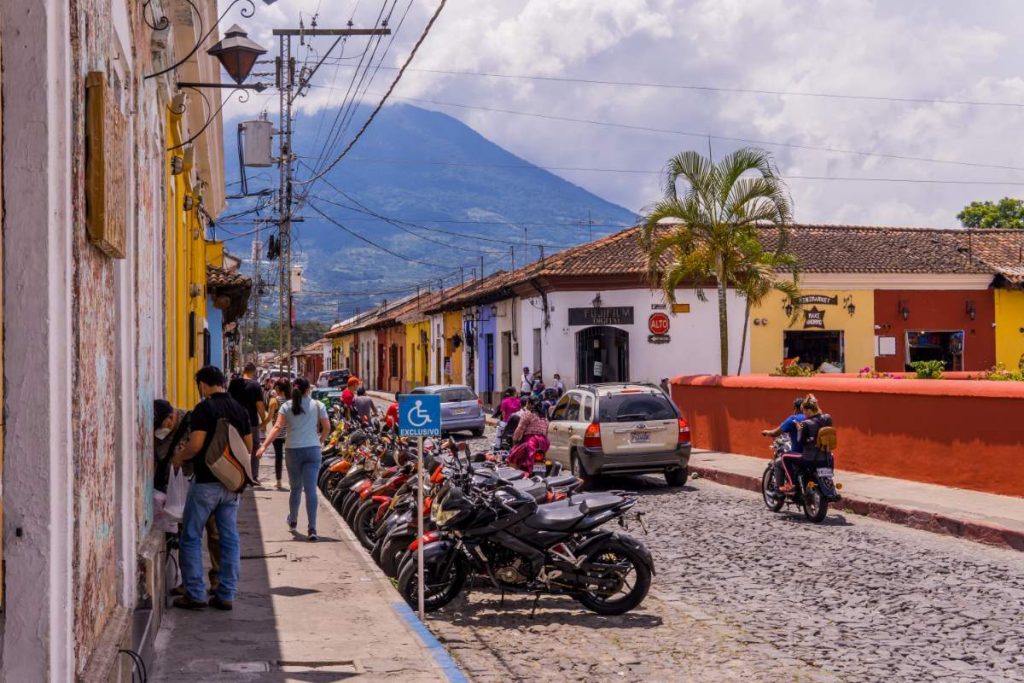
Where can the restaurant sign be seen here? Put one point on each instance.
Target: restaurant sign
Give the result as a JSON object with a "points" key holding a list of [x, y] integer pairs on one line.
{"points": [[817, 299], [611, 315]]}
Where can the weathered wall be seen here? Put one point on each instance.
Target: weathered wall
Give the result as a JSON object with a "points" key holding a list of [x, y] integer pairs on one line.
{"points": [[959, 433]]}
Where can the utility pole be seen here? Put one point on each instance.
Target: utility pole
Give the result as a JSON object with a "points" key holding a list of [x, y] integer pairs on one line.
{"points": [[288, 89], [257, 257]]}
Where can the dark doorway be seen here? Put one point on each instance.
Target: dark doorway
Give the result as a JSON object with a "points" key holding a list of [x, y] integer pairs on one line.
{"points": [[489, 366], [946, 346], [506, 360], [602, 355], [811, 349]]}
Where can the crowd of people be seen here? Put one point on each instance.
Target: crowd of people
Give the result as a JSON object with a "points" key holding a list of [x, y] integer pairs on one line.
{"points": [[187, 442]]}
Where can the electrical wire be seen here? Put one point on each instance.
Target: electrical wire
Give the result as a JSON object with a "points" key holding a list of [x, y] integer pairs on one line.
{"points": [[383, 100]]}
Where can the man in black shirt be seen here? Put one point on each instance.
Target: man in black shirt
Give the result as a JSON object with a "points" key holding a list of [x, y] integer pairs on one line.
{"points": [[246, 390], [207, 496]]}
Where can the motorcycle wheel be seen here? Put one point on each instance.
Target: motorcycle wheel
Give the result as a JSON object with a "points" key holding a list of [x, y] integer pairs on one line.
{"points": [[438, 591], [815, 504], [773, 501], [391, 554], [362, 522], [378, 546], [626, 562], [338, 498], [349, 511]]}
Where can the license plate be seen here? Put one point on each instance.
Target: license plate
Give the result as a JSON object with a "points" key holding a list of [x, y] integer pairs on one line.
{"points": [[459, 411], [825, 472], [639, 437], [540, 468]]}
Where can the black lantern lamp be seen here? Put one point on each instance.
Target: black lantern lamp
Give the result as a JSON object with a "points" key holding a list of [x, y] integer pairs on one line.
{"points": [[237, 53], [971, 311], [596, 303], [789, 309]]}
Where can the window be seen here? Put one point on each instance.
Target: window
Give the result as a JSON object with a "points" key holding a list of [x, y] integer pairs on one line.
{"points": [[572, 409], [393, 361], [811, 349], [558, 412], [635, 407], [457, 394], [945, 346]]}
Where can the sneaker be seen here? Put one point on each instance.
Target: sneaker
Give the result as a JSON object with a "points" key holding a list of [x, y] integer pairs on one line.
{"points": [[225, 605], [185, 602], [292, 525], [280, 486], [178, 591], [312, 537]]}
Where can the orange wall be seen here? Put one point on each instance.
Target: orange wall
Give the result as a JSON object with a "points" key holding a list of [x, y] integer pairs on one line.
{"points": [[964, 433]]}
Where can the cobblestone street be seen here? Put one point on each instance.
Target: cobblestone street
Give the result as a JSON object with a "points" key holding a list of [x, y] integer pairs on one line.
{"points": [[744, 594]]}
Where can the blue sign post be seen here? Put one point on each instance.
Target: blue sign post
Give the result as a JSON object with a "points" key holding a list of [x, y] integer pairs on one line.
{"points": [[419, 415]]}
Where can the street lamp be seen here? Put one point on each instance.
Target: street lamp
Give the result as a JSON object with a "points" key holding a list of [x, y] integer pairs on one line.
{"points": [[237, 53]]}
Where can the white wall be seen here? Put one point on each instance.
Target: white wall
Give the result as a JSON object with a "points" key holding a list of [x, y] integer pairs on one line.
{"points": [[508, 316], [693, 349]]}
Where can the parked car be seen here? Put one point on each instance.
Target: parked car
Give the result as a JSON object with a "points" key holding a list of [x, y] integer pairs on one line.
{"points": [[269, 377], [461, 410], [333, 378], [619, 428]]}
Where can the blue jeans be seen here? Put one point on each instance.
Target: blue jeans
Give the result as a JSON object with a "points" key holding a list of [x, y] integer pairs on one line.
{"points": [[303, 470], [203, 501]]}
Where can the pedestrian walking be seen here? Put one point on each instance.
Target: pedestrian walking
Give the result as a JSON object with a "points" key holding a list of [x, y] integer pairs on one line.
{"points": [[246, 390], [307, 428], [207, 497], [526, 383], [279, 397]]}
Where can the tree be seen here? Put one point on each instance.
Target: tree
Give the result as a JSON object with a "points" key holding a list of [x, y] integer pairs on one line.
{"points": [[1007, 213], [714, 228], [761, 275]]}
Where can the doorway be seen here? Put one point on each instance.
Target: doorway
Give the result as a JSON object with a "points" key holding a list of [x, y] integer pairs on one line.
{"points": [[811, 349], [506, 360], [602, 355], [489, 365], [946, 346]]}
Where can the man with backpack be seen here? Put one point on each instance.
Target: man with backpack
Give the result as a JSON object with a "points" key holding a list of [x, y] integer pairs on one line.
{"points": [[209, 497], [247, 391]]}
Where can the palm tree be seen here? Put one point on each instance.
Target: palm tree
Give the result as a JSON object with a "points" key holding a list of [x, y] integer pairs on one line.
{"points": [[715, 223], [764, 272]]}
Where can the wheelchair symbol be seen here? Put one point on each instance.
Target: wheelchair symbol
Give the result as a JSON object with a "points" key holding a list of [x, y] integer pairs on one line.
{"points": [[417, 416]]}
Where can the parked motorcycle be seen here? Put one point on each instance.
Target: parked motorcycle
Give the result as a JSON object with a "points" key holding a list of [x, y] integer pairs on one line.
{"points": [[814, 485]]}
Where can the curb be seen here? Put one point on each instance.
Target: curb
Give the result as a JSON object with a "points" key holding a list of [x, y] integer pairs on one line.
{"points": [[445, 662], [934, 522]]}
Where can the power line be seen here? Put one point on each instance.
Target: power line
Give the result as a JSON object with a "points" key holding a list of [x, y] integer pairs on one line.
{"points": [[720, 89], [383, 100], [705, 135]]}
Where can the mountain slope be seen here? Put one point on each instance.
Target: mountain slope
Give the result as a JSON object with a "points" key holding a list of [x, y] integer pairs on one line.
{"points": [[451, 185]]}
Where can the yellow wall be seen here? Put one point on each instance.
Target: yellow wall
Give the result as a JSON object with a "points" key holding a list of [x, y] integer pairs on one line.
{"points": [[859, 329], [452, 327], [185, 290], [1009, 323], [343, 345], [417, 360]]}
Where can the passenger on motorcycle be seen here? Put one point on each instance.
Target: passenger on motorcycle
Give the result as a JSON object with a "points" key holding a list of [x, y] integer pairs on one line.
{"points": [[790, 427], [530, 437], [807, 438]]}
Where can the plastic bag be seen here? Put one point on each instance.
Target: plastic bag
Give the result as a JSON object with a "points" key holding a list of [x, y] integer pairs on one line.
{"points": [[177, 492]]}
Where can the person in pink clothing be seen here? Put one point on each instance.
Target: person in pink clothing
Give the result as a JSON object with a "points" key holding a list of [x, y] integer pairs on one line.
{"points": [[531, 437], [509, 405]]}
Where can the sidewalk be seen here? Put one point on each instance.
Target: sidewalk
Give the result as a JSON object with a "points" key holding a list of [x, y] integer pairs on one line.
{"points": [[304, 612], [981, 517]]}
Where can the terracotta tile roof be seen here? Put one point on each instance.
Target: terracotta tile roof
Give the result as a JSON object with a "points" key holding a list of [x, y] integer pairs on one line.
{"points": [[218, 277], [1002, 250]]}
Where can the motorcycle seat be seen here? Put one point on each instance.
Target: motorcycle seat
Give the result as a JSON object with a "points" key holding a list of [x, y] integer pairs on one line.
{"points": [[596, 502], [561, 481], [554, 517]]}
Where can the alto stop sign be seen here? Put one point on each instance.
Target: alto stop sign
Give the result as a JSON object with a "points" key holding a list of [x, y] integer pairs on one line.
{"points": [[658, 323]]}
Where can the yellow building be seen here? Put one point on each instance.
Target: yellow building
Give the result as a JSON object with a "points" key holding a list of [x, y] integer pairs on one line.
{"points": [[417, 353], [837, 326], [453, 347], [1010, 328]]}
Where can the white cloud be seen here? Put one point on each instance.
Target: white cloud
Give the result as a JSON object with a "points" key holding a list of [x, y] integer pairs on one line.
{"points": [[912, 48]]}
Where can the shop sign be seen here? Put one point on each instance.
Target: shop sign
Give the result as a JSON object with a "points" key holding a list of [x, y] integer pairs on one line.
{"points": [[658, 338], [680, 308], [814, 318], [658, 324], [817, 299], [658, 307], [611, 315]]}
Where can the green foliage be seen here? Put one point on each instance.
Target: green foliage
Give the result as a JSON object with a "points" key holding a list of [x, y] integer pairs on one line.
{"points": [[794, 370], [305, 332], [714, 230], [1001, 374], [928, 369], [1007, 213]]}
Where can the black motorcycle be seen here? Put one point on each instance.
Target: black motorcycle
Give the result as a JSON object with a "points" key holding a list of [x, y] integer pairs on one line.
{"points": [[814, 484], [506, 538]]}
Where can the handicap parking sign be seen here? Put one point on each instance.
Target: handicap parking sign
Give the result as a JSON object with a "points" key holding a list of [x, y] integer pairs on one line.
{"points": [[419, 415]]}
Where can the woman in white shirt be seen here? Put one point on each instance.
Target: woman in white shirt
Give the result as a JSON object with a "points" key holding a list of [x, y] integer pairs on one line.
{"points": [[307, 427]]}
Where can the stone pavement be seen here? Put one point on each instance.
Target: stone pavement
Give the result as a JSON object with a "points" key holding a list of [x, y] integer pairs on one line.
{"points": [[976, 516], [304, 612]]}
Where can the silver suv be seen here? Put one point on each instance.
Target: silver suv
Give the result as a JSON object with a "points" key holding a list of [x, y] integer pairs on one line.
{"points": [[619, 429]]}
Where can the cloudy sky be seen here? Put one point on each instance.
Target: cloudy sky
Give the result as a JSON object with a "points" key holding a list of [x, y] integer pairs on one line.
{"points": [[838, 153]]}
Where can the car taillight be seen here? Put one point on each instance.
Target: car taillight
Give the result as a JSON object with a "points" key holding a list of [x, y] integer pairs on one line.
{"points": [[592, 437], [684, 431], [428, 538]]}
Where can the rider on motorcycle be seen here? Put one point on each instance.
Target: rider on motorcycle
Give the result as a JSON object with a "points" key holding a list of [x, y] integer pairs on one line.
{"points": [[814, 421], [531, 436], [791, 428]]}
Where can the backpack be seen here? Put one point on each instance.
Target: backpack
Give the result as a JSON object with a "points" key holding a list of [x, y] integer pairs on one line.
{"points": [[228, 458]]}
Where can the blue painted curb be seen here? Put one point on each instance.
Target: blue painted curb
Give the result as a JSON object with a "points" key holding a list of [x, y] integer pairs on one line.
{"points": [[437, 650]]}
